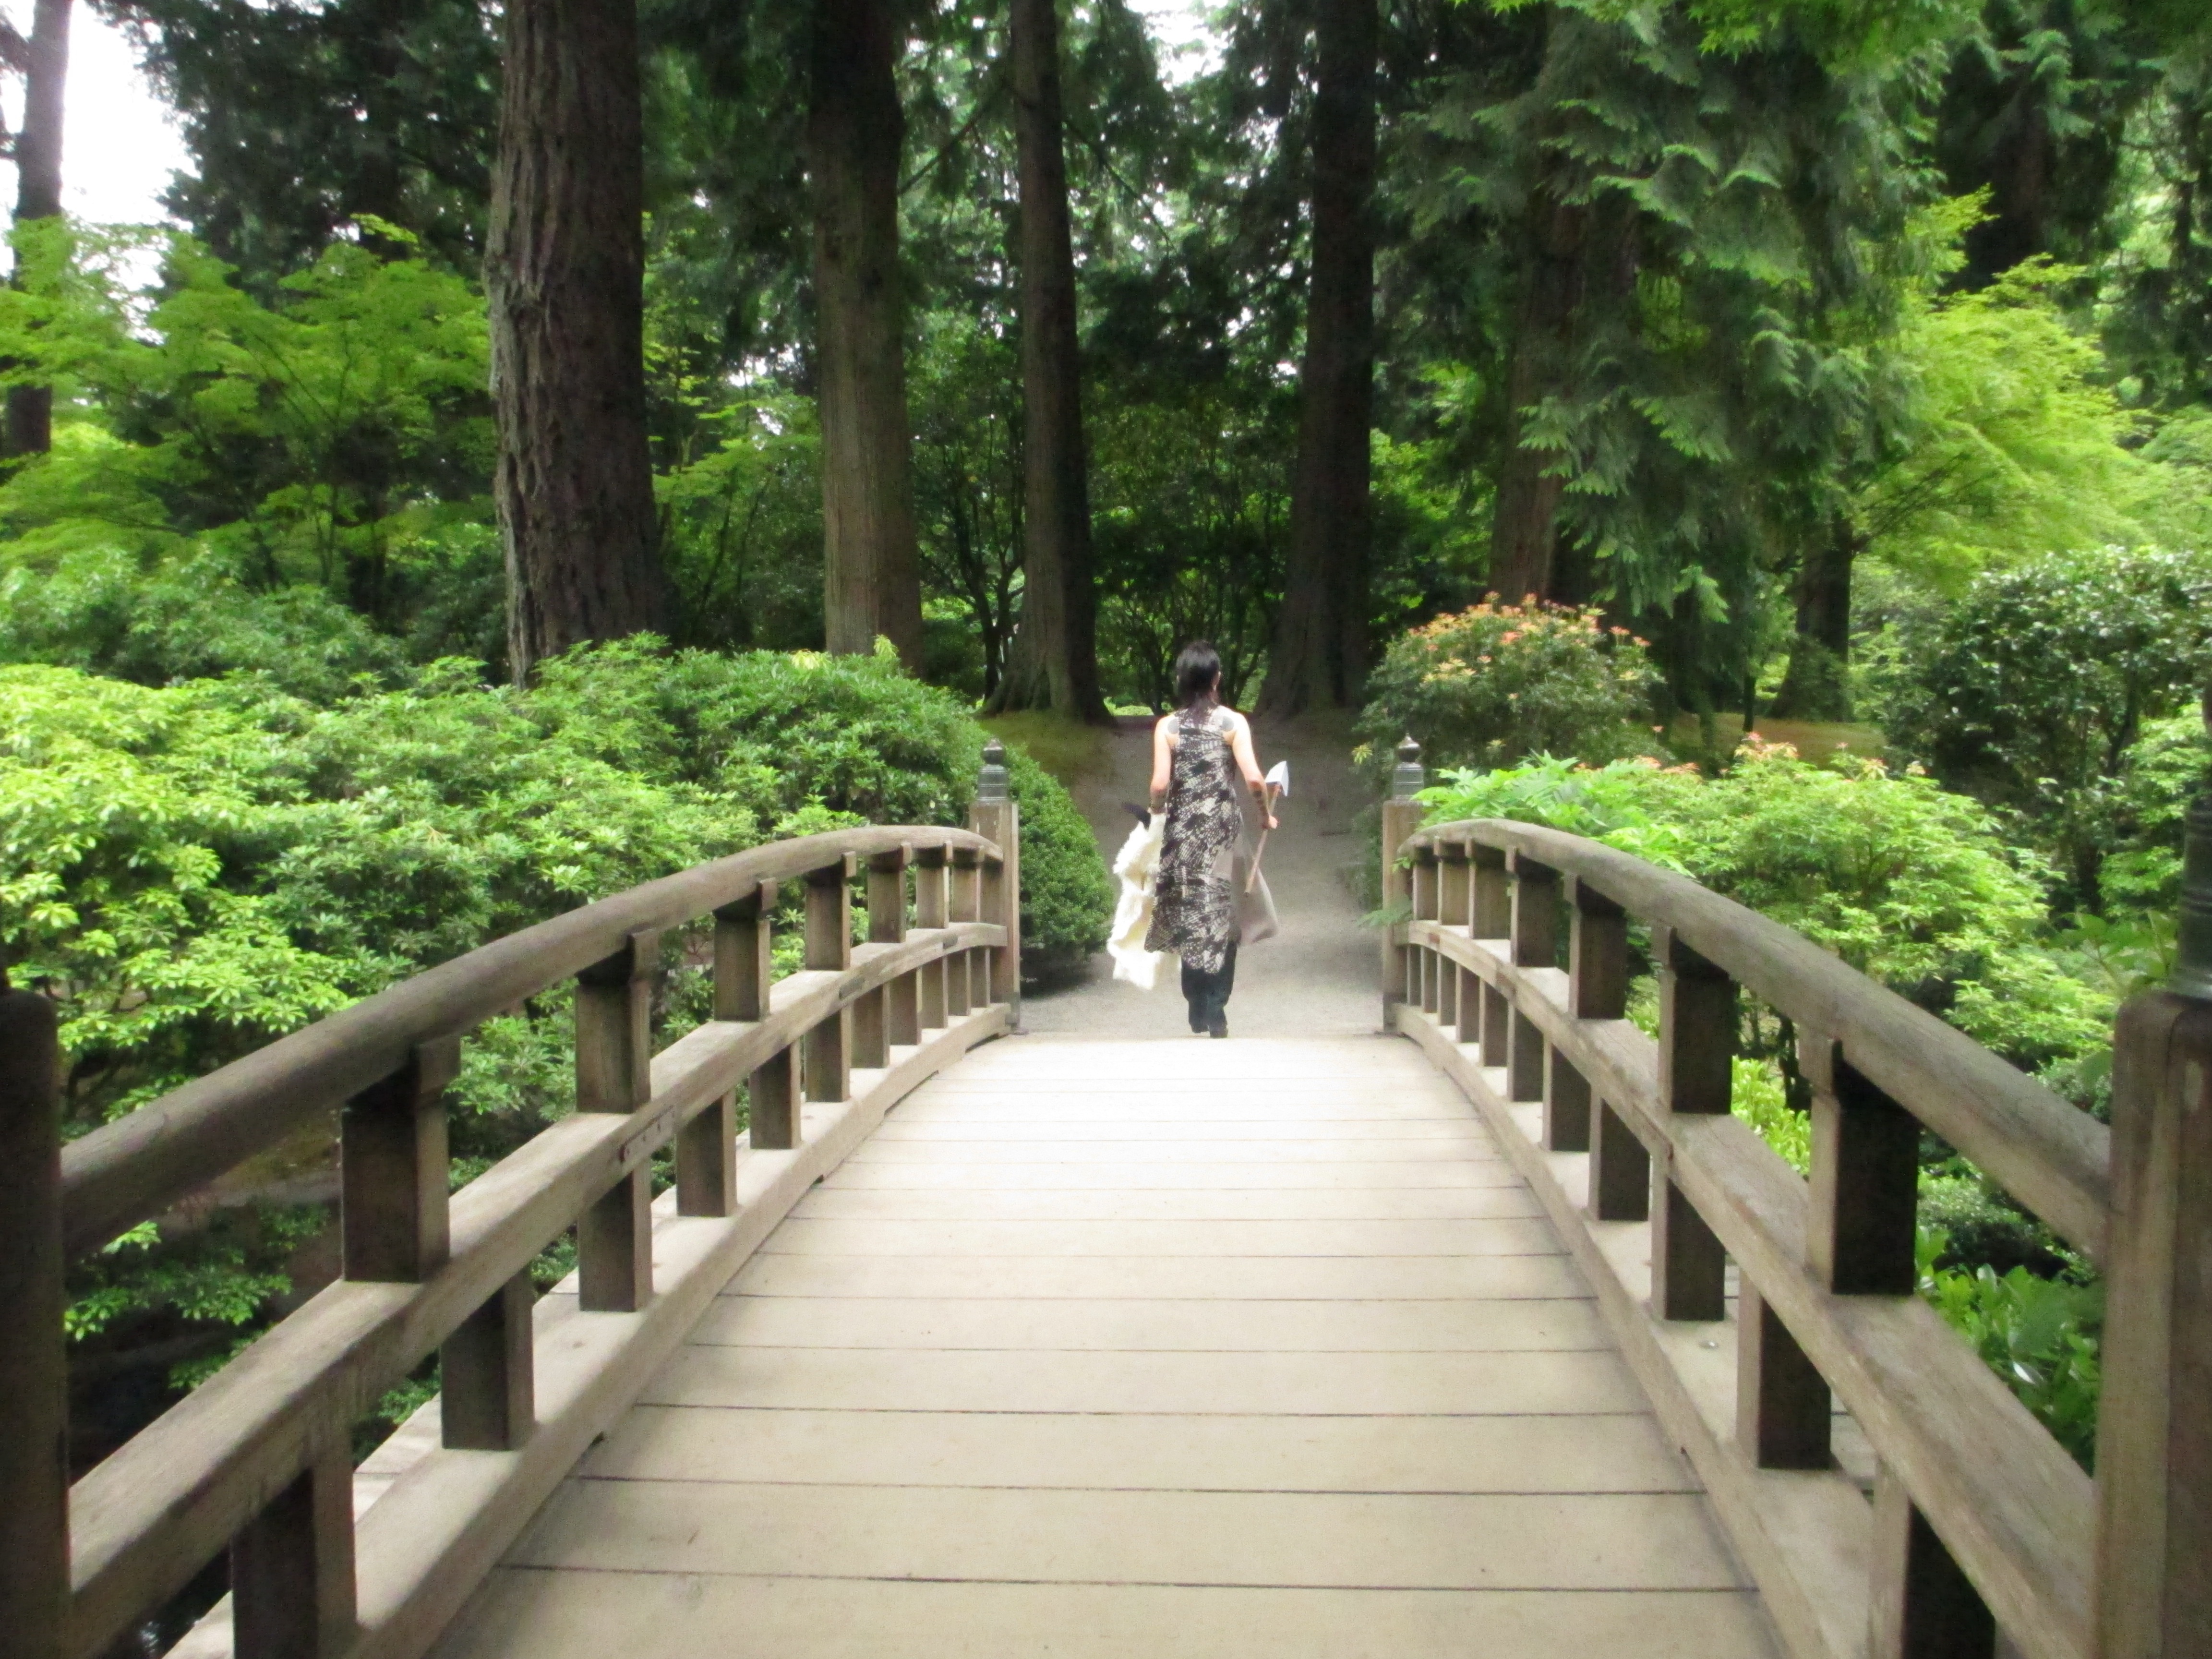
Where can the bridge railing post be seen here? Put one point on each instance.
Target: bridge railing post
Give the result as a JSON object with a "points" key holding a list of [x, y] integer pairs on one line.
{"points": [[1454, 907], [614, 1073], [827, 1065], [35, 1559], [1492, 919], [1597, 989], [1402, 816], [930, 900], [1697, 1054], [2153, 1584], [1421, 973], [886, 899], [1534, 921], [963, 905], [997, 816]]}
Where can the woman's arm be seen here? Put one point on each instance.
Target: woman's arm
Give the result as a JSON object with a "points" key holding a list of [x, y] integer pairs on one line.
{"points": [[1163, 764], [1240, 746]]}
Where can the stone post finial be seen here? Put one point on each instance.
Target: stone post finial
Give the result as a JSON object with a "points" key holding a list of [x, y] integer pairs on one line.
{"points": [[1409, 780], [2192, 964], [992, 784]]}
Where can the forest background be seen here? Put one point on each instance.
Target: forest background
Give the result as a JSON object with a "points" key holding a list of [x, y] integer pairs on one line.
{"points": [[1576, 385]]}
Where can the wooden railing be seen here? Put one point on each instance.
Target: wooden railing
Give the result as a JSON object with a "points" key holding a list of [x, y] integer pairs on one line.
{"points": [[1982, 1535], [257, 1460]]}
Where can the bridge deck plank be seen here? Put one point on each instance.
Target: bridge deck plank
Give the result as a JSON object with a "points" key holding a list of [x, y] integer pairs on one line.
{"points": [[1141, 1366]]}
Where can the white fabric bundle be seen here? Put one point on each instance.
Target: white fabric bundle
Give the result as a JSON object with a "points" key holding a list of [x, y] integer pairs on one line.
{"points": [[1134, 868]]}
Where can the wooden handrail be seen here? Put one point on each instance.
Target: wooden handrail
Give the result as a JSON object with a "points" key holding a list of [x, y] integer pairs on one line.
{"points": [[255, 1459], [2054, 1159], [1980, 1522], [139, 1166]]}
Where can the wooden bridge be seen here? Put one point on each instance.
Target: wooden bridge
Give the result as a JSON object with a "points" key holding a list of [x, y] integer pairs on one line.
{"points": [[1493, 1333]]}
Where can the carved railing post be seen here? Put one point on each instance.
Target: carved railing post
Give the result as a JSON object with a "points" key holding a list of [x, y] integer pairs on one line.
{"points": [[997, 816], [34, 1560], [614, 1073], [1402, 816], [2154, 1426]]}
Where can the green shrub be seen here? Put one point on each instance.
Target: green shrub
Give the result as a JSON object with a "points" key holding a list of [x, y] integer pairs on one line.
{"points": [[2033, 691], [1492, 686], [2041, 1335], [100, 611], [1912, 885], [193, 870]]}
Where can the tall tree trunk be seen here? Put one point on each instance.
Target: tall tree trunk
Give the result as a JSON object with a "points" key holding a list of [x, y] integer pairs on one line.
{"points": [[39, 191], [564, 274], [1574, 256], [871, 581], [1054, 663], [1817, 686], [1524, 524], [1319, 654]]}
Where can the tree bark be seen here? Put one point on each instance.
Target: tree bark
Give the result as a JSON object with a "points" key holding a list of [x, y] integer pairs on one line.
{"points": [[1524, 524], [564, 274], [872, 583], [1319, 654], [39, 192], [1053, 661], [1817, 686]]}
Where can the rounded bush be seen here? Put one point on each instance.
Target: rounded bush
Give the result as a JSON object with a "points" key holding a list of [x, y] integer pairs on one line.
{"points": [[1496, 683]]}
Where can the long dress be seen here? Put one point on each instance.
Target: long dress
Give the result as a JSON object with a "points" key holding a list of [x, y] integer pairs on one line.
{"points": [[1195, 897]]}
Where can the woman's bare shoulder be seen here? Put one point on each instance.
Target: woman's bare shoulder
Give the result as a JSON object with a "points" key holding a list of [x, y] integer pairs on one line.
{"points": [[1236, 722]]}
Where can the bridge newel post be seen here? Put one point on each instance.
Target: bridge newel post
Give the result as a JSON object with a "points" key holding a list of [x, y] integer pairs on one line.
{"points": [[35, 1558], [614, 1073], [963, 905], [1402, 816], [1535, 920], [886, 901], [997, 816], [2153, 1584], [929, 912], [826, 1066]]}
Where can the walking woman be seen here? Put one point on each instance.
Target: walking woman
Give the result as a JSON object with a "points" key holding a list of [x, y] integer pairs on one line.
{"points": [[1202, 767]]}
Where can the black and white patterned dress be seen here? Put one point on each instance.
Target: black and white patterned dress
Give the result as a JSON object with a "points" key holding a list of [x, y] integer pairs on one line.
{"points": [[1194, 899]]}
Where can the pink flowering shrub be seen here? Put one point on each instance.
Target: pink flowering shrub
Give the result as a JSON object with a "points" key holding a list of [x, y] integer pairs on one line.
{"points": [[1494, 684]]}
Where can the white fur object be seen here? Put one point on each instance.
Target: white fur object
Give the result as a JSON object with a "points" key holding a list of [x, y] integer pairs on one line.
{"points": [[1134, 868]]}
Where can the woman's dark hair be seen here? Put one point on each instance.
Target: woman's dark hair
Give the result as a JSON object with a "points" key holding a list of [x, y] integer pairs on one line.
{"points": [[1197, 675]]}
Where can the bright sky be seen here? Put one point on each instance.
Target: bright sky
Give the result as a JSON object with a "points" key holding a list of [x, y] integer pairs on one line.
{"points": [[122, 142]]}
